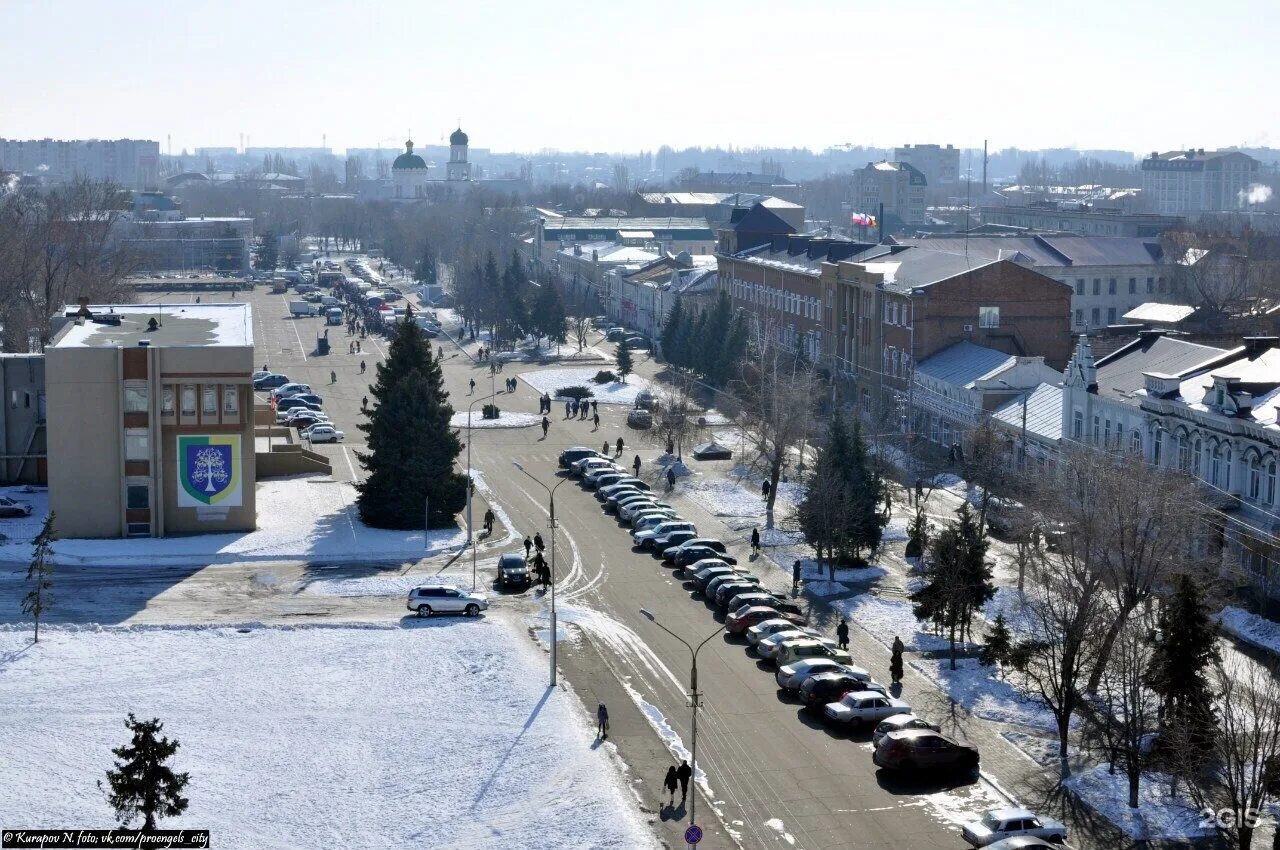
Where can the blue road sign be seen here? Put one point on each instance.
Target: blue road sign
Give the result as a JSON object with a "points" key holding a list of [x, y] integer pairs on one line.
{"points": [[693, 834]]}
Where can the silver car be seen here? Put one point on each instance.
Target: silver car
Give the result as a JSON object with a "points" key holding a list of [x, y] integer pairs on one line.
{"points": [[443, 599]]}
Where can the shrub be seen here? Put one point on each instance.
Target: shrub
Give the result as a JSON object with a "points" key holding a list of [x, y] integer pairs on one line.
{"points": [[604, 376], [489, 411], [578, 392]]}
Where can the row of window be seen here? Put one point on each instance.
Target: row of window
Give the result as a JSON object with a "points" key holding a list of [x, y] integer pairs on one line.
{"points": [[1103, 434], [896, 314], [137, 399], [895, 362], [777, 299], [1152, 284], [1095, 317]]}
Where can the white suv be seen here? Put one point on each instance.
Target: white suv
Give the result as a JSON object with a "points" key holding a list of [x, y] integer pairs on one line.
{"points": [[425, 601]]}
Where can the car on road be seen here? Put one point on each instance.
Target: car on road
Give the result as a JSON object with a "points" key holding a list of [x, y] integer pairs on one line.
{"points": [[858, 708], [899, 722], [823, 688], [778, 623], [800, 649], [640, 419], [650, 537], [1007, 823], [444, 599], [739, 621], [1023, 842], [513, 571], [575, 453], [926, 752], [13, 508], [790, 677], [270, 382], [323, 432]]}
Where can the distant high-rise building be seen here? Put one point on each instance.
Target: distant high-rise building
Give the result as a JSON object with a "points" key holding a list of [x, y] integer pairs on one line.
{"points": [[939, 165], [133, 163], [897, 185], [1193, 181]]}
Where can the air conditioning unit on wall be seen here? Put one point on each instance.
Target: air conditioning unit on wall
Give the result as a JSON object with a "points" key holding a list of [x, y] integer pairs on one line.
{"points": [[968, 329]]}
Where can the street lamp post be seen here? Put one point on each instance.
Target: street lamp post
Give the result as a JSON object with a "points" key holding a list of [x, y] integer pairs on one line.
{"points": [[1022, 448], [470, 537], [551, 510], [694, 699]]}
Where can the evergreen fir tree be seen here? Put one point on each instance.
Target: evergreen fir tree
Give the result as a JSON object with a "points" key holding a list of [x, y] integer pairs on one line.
{"points": [[734, 348], [1186, 646], [698, 350], [427, 265], [39, 573], [547, 317], [513, 321], [995, 649], [624, 361], [957, 579], [268, 252], [917, 535], [680, 351], [490, 300], [142, 783], [409, 350], [864, 520], [671, 333]]}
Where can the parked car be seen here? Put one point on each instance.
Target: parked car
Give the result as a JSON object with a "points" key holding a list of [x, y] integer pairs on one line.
{"points": [[763, 597], [645, 400], [269, 381], [711, 543], [596, 480], [290, 389], [636, 343], [778, 623], [576, 453], [617, 490], [588, 464], [670, 542], [323, 432], [284, 405], [713, 569], [825, 688], [1023, 842], [639, 498], [13, 508], [769, 647], [301, 418], [692, 551], [604, 491], [640, 419], [258, 375], [899, 722], [1007, 823], [739, 621], [630, 511], [648, 538], [442, 599], [927, 752], [513, 571], [647, 519], [720, 590], [615, 334], [790, 677], [859, 708], [309, 398], [711, 451], [798, 650]]}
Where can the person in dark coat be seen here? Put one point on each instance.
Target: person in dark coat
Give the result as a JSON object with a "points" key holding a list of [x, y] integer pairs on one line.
{"points": [[604, 449], [568, 405], [537, 541], [528, 544], [919, 490], [795, 576], [764, 488], [755, 541], [546, 424], [684, 774], [842, 635], [671, 479], [635, 464], [620, 445], [595, 406], [595, 420], [488, 521], [895, 661], [602, 719], [669, 785]]}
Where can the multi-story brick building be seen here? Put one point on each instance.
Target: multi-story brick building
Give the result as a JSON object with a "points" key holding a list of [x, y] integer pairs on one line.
{"points": [[900, 187]]}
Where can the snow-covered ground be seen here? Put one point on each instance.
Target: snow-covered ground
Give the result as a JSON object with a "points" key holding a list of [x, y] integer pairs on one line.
{"points": [[431, 734], [884, 619], [979, 690], [565, 352], [300, 518], [550, 380], [505, 420], [1250, 628], [1158, 816], [724, 497], [811, 571]]}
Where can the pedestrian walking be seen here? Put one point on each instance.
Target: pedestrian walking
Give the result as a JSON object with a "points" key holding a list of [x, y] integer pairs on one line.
{"points": [[669, 784], [764, 488], [544, 574], [573, 405], [842, 635], [602, 718], [671, 479], [351, 348], [671, 446], [684, 774], [919, 490], [568, 405], [795, 576], [620, 445], [333, 377], [537, 542], [528, 544], [472, 384], [440, 352], [635, 464], [359, 350], [362, 367], [595, 420], [492, 369], [488, 521], [595, 406], [604, 450], [895, 660], [364, 403], [755, 541], [546, 423]]}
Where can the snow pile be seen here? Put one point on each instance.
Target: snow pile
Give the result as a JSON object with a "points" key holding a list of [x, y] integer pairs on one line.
{"points": [[1158, 816], [823, 589], [301, 518], [504, 420], [950, 481], [439, 733], [550, 380], [565, 352], [811, 570], [884, 619], [724, 498], [977, 689], [780, 537], [1040, 749], [1250, 628]]}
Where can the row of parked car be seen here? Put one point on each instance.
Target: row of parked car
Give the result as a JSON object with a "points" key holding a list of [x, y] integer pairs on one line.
{"points": [[809, 665], [298, 407]]}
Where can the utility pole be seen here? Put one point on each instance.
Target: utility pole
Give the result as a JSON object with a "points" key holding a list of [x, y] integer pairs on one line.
{"points": [[984, 168]]}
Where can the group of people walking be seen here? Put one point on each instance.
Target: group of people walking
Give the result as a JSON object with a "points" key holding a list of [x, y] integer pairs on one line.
{"points": [[677, 776], [541, 571], [575, 409]]}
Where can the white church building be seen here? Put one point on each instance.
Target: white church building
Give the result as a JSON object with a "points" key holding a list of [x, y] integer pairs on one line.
{"points": [[410, 174]]}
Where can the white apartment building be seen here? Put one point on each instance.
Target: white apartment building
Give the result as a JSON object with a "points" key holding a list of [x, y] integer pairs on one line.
{"points": [[1196, 181]]}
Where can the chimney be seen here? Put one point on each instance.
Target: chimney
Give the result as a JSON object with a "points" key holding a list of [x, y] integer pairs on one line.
{"points": [[84, 312]]}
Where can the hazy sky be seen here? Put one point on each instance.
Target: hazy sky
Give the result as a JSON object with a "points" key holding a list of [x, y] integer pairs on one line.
{"points": [[609, 75]]}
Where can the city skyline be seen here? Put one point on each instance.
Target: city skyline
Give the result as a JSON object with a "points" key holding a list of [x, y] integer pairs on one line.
{"points": [[369, 82]]}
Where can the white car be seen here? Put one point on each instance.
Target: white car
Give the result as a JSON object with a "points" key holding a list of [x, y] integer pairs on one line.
{"points": [[287, 390], [286, 416], [765, 628], [442, 599], [645, 539], [323, 433], [627, 511], [644, 519], [897, 723], [860, 707], [768, 647], [791, 676], [1006, 823], [799, 649]]}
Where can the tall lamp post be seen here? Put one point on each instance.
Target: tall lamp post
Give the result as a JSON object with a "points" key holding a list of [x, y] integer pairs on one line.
{"points": [[470, 538], [694, 700], [551, 510], [1022, 448]]}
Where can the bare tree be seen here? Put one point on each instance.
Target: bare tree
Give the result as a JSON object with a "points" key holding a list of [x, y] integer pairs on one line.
{"points": [[1233, 782], [1127, 711]]}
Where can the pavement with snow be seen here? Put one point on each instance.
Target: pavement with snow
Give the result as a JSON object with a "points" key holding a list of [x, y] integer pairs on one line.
{"points": [[438, 733], [505, 419], [617, 392], [1158, 816]]}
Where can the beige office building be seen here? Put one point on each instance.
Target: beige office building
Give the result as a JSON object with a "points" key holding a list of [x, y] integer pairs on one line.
{"points": [[150, 420]]}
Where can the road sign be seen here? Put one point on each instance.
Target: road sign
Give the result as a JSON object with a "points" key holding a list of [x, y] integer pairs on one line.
{"points": [[693, 834]]}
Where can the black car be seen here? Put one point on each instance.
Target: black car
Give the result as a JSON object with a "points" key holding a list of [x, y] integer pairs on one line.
{"points": [[817, 691], [576, 453], [513, 571], [296, 401], [310, 398], [305, 420], [721, 592], [726, 597], [711, 451], [270, 382], [690, 554]]}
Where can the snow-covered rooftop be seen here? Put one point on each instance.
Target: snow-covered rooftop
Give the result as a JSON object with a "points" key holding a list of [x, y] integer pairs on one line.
{"points": [[177, 326]]}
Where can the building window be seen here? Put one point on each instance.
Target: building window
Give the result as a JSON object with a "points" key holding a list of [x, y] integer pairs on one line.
{"points": [[1271, 483], [188, 400], [1097, 286], [1111, 286], [166, 401], [1151, 285], [1079, 318], [988, 317], [1255, 480], [1184, 454], [138, 497], [135, 398], [1079, 286], [1133, 286], [1195, 458], [136, 444], [210, 396], [1097, 428], [1106, 435], [1077, 426], [1111, 315], [1096, 316], [230, 400], [1135, 442]]}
